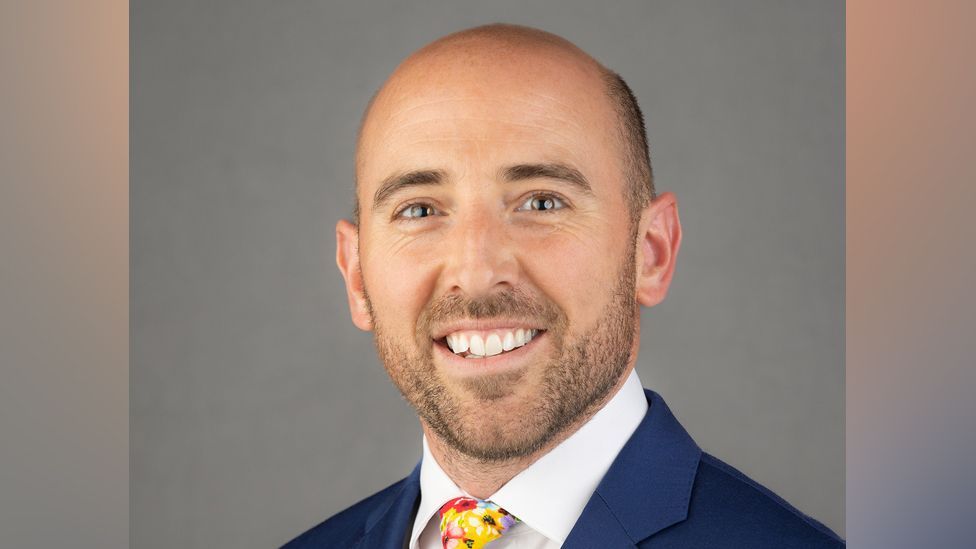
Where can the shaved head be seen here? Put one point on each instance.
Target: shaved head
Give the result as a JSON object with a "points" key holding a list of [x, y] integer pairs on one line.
{"points": [[521, 53]]}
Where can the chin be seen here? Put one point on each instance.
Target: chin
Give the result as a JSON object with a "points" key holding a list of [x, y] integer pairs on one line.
{"points": [[507, 390]]}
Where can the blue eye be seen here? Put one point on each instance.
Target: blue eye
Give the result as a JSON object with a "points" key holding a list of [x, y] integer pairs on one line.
{"points": [[416, 211], [543, 203]]}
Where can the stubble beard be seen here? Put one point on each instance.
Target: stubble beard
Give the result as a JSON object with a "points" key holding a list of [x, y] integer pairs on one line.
{"points": [[470, 419]]}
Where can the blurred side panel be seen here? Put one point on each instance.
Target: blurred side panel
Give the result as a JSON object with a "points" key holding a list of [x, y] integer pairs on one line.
{"points": [[911, 304], [64, 274]]}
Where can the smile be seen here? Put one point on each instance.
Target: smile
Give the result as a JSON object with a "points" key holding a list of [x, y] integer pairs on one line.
{"points": [[486, 343]]}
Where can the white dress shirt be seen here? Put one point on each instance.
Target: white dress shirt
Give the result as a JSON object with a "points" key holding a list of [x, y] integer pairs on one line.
{"points": [[548, 496]]}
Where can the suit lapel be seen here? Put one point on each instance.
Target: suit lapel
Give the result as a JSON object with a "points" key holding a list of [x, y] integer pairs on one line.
{"points": [[598, 527], [647, 488], [387, 526]]}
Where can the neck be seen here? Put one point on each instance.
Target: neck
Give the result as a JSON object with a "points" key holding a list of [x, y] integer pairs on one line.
{"points": [[479, 478], [482, 478]]}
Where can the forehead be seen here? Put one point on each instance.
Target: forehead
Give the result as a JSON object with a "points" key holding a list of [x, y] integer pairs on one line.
{"points": [[464, 112]]}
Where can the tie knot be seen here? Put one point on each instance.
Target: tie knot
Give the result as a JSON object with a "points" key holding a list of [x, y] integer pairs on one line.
{"points": [[471, 523]]}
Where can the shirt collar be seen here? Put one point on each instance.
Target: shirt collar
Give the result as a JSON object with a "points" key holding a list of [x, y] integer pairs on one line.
{"points": [[436, 489], [540, 495]]}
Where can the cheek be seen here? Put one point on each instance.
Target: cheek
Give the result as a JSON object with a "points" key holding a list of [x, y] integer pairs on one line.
{"points": [[399, 285], [578, 272]]}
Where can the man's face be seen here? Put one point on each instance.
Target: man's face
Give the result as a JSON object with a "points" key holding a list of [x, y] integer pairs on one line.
{"points": [[495, 248]]}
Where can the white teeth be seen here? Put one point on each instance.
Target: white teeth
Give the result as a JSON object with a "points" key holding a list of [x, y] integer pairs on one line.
{"points": [[509, 342], [462, 343], [477, 345], [493, 345]]}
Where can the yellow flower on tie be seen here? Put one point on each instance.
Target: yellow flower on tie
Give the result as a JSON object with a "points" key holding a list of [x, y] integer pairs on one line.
{"points": [[471, 523]]}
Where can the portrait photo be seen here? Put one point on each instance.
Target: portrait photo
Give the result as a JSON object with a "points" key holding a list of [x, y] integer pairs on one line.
{"points": [[507, 274]]}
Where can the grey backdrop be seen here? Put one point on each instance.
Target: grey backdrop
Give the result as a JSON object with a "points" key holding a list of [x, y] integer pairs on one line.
{"points": [[258, 410]]}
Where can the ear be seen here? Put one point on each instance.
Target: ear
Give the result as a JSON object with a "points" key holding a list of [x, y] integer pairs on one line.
{"points": [[347, 258], [658, 240]]}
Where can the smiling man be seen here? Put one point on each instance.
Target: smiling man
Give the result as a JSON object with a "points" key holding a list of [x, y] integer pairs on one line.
{"points": [[507, 234]]}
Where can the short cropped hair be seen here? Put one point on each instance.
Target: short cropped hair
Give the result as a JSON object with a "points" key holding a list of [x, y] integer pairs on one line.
{"points": [[633, 138]]}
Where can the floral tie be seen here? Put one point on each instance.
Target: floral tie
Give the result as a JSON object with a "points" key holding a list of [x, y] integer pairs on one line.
{"points": [[471, 523]]}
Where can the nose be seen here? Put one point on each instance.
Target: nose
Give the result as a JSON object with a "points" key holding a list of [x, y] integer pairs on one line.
{"points": [[481, 257]]}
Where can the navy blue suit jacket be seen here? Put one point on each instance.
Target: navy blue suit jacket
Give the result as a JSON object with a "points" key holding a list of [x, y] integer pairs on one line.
{"points": [[661, 491]]}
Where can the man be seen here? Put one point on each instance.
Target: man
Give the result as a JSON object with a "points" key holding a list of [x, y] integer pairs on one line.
{"points": [[507, 232]]}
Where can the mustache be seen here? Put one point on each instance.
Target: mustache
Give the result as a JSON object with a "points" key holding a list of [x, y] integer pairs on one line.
{"points": [[511, 303]]}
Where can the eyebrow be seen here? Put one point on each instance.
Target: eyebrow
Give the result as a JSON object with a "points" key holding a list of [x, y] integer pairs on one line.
{"points": [[399, 181], [518, 172], [556, 171]]}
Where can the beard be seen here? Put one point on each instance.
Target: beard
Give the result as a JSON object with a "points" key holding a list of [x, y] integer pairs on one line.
{"points": [[500, 417]]}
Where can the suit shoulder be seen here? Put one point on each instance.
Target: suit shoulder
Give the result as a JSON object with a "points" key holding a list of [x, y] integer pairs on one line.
{"points": [[346, 526], [731, 508]]}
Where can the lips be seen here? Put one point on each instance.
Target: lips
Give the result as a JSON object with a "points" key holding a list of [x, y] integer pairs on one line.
{"points": [[486, 343]]}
